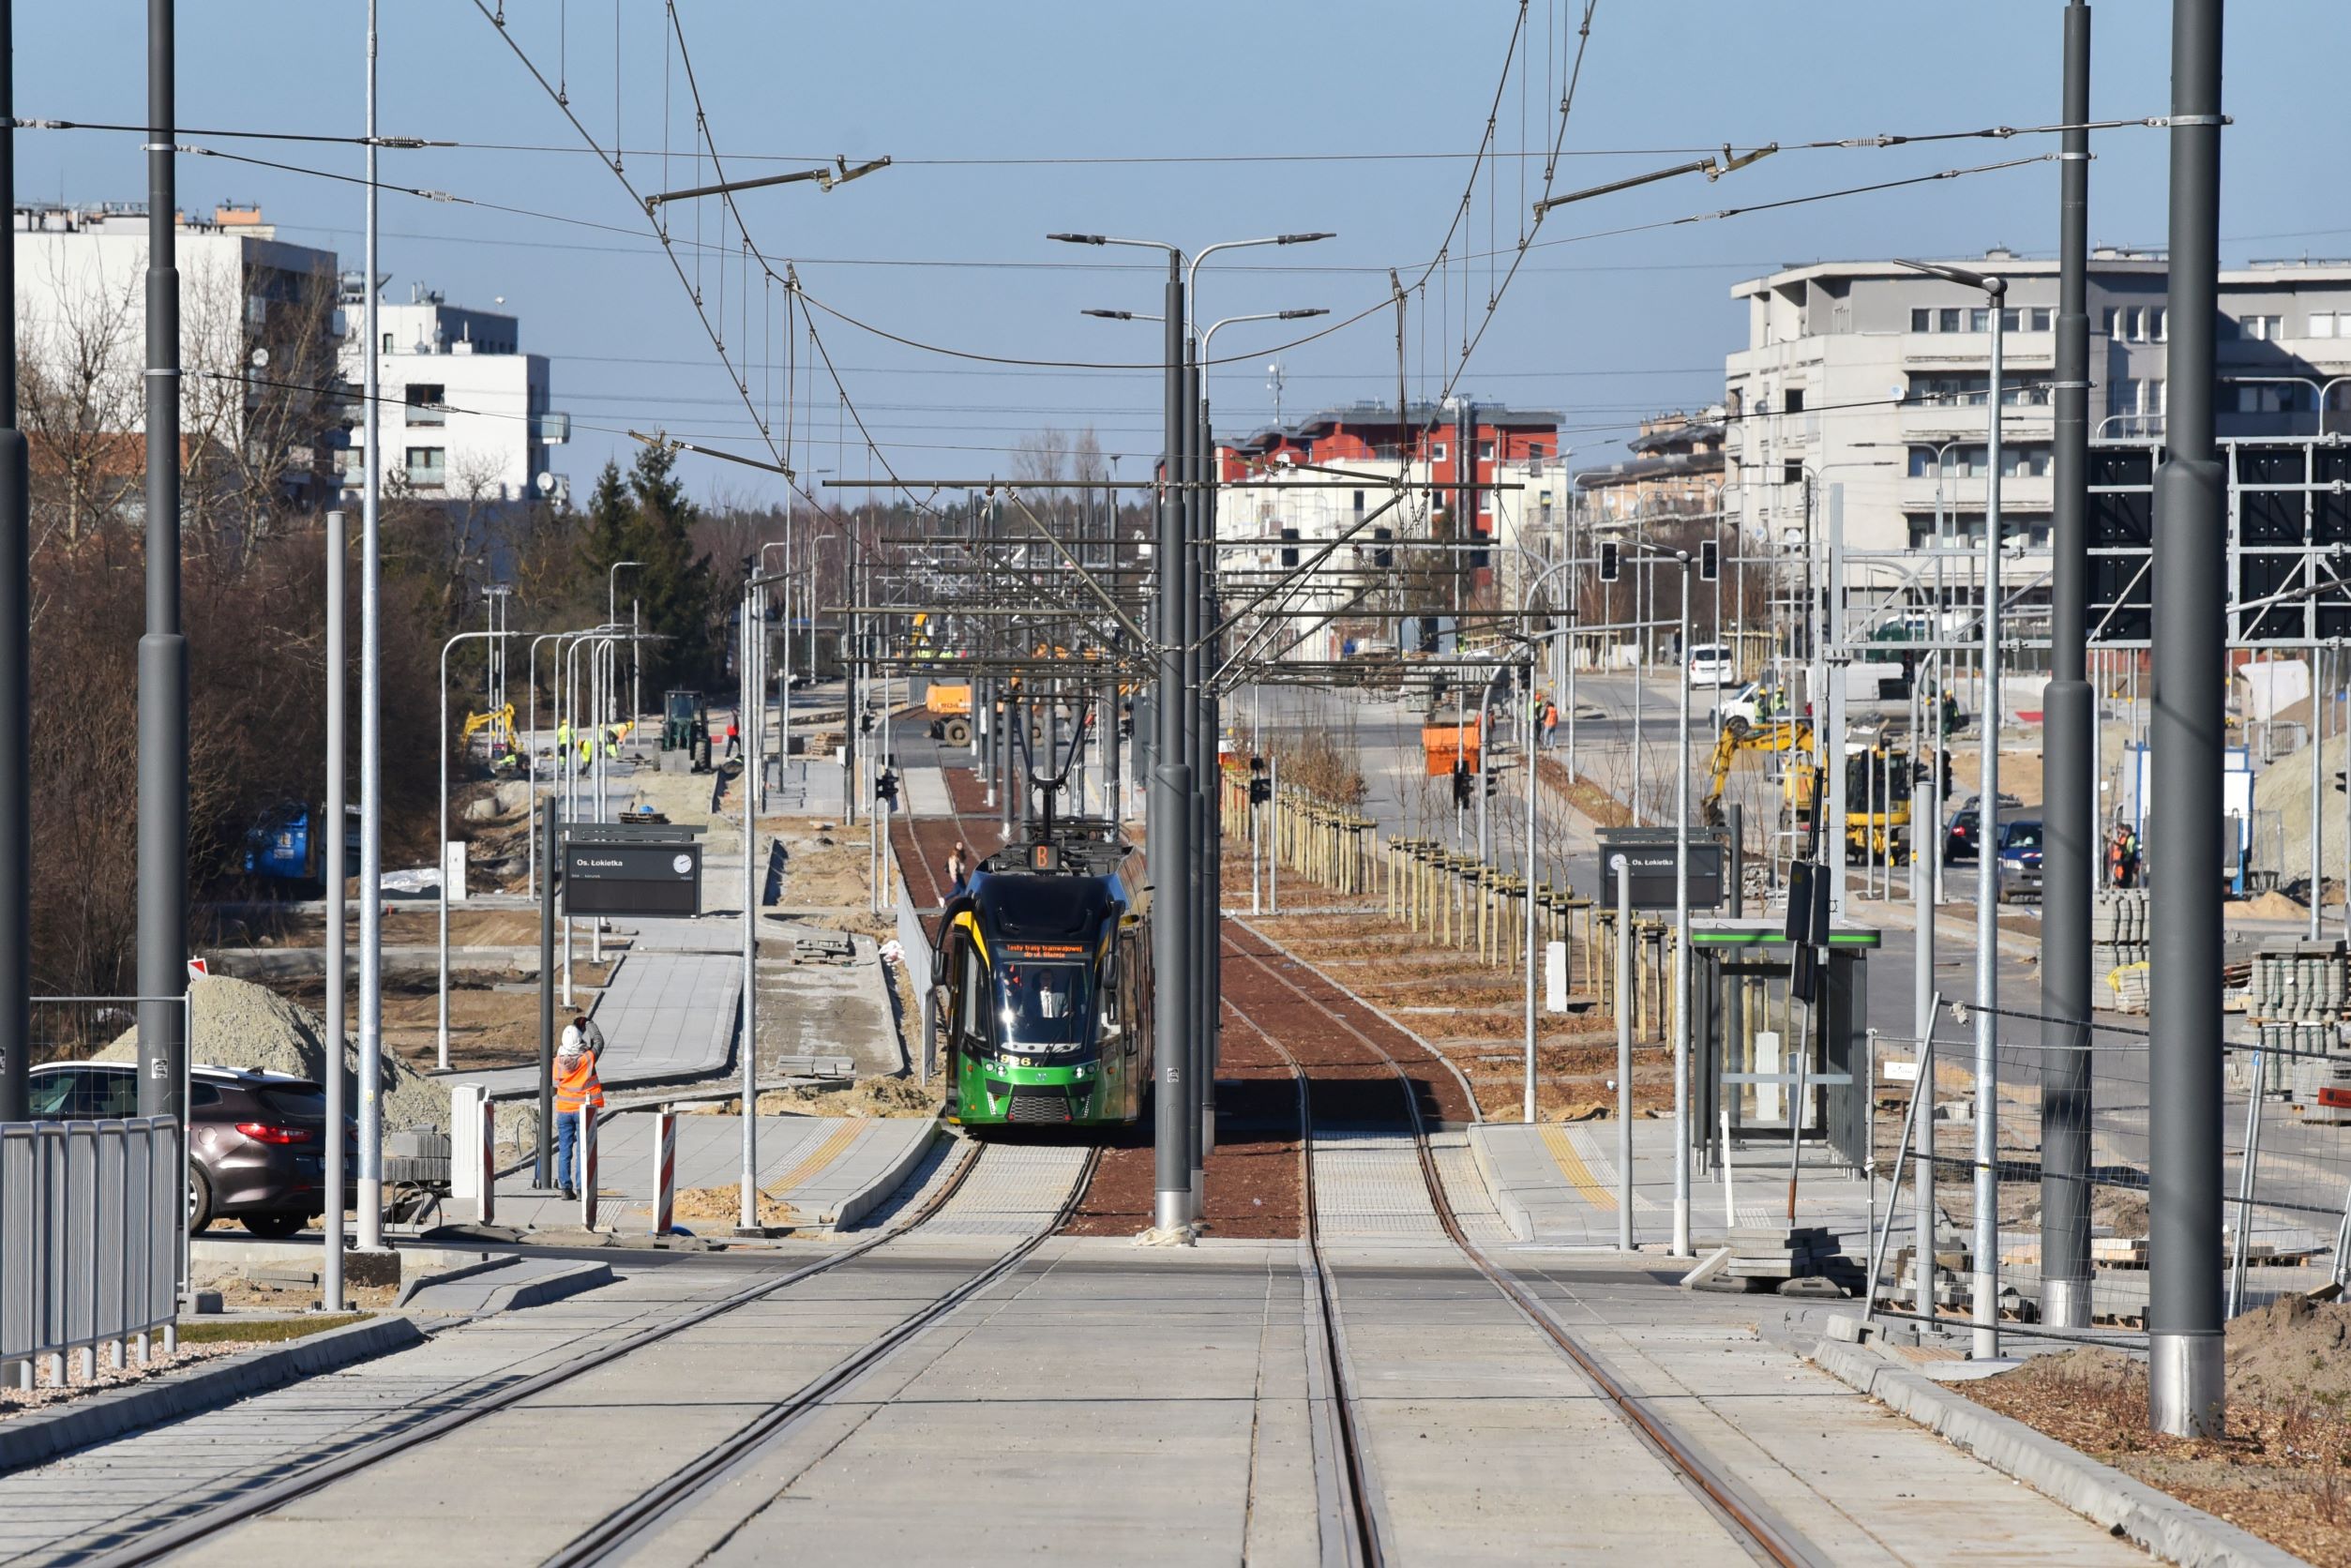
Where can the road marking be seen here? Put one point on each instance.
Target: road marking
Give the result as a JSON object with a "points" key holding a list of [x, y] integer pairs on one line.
{"points": [[824, 1154], [1571, 1165]]}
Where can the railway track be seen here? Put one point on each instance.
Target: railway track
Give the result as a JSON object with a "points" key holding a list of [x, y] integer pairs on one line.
{"points": [[1760, 1526], [625, 1526]]}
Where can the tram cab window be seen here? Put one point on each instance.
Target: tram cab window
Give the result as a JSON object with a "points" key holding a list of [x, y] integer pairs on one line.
{"points": [[1044, 1005]]}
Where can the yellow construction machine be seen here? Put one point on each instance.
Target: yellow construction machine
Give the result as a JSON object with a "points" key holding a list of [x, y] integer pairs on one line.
{"points": [[1883, 833]]}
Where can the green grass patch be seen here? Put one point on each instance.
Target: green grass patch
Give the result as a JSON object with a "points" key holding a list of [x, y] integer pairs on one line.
{"points": [[275, 1330]]}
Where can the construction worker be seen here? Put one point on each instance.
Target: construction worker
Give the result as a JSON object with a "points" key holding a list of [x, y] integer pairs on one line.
{"points": [[562, 737], [734, 737], [1550, 721], [575, 1085]]}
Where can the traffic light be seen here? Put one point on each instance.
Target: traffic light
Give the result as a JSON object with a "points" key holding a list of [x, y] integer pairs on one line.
{"points": [[1710, 560], [1610, 559], [2339, 783], [1461, 785], [1493, 784], [885, 786], [865, 723], [1261, 787]]}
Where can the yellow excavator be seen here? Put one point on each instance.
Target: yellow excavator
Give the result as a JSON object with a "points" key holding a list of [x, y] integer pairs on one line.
{"points": [[1883, 834]]}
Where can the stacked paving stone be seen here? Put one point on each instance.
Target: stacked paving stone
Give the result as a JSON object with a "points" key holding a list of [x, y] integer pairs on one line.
{"points": [[1778, 1252], [2298, 982], [2117, 934]]}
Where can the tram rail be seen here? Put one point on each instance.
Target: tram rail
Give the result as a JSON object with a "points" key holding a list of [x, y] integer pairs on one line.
{"points": [[632, 1519], [1768, 1534]]}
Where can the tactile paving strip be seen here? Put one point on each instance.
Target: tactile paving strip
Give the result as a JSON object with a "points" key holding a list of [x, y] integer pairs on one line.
{"points": [[1368, 1183], [1015, 1190]]}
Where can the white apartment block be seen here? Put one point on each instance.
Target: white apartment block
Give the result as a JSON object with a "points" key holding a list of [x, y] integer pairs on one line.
{"points": [[254, 310], [1869, 381], [465, 412]]}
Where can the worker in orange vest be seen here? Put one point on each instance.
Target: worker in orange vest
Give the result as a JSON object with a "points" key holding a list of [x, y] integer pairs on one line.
{"points": [[575, 1085]]}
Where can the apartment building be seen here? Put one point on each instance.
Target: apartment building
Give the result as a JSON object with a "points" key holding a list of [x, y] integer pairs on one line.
{"points": [[1868, 382], [465, 411], [257, 343], [1287, 490]]}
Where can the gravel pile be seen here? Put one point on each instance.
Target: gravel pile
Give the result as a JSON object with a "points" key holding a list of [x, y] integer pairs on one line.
{"points": [[235, 1023]]}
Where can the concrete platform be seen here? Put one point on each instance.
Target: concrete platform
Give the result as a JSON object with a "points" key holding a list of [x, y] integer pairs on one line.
{"points": [[833, 1171], [1559, 1185]]}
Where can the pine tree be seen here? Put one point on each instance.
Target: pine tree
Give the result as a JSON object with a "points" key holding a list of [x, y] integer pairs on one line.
{"points": [[671, 582]]}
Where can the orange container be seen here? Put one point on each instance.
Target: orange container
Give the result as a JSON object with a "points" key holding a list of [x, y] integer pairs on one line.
{"points": [[1442, 745]]}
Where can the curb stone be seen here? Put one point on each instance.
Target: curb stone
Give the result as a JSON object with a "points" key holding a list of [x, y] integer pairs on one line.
{"points": [[2164, 1526], [37, 1437]]}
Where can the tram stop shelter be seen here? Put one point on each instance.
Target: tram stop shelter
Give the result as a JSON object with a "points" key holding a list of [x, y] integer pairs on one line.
{"points": [[1758, 1049]]}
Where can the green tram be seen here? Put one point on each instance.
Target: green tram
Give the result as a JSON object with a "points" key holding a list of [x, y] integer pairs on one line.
{"points": [[1044, 964]]}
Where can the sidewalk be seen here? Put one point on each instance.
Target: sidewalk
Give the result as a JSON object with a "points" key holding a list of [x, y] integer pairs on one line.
{"points": [[665, 1016]]}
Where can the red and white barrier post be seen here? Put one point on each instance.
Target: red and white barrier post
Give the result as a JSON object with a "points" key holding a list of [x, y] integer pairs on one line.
{"points": [[587, 1167], [664, 1170], [486, 1200]]}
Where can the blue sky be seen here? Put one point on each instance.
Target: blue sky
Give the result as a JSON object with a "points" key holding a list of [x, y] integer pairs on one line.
{"points": [[952, 253]]}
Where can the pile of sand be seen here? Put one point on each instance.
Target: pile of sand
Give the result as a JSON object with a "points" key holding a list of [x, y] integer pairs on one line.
{"points": [[2265, 906], [2289, 1351], [235, 1023], [874, 1097]]}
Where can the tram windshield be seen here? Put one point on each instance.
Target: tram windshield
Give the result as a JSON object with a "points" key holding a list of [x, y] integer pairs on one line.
{"points": [[1044, 1005]]}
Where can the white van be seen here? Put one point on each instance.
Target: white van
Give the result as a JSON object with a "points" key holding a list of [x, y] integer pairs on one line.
{"points": [[1713, 663]]}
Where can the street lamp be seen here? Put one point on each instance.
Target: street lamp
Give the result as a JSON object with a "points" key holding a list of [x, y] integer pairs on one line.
{"points": [[1987, 1225], [441, 965]]}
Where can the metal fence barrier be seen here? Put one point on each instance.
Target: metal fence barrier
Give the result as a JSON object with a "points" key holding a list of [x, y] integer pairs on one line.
{"points": [[90, 1231]]}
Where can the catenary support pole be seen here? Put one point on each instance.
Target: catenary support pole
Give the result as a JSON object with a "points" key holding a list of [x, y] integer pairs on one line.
{"points": [[371, 719], [331, 863], [1165, 830], [162, 962], [1200, 755], [2185, 1393], [16, 650], [1987, 1292], [2069, 741]]}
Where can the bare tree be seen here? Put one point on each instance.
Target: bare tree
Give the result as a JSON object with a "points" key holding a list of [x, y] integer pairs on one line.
{"points": [[81, 399]]}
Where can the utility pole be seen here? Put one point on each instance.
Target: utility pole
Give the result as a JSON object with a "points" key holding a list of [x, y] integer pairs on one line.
{"points": [[2070, 787], [2186, 1395], [1167, 824], [163, 651], [16, 649], [371, 728], [1201, 756], [331, 1274]]}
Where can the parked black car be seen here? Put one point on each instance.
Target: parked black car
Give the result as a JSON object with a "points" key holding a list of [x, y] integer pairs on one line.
{"points": [[258, 1138]]}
